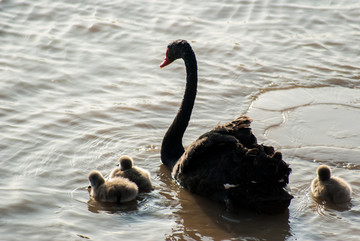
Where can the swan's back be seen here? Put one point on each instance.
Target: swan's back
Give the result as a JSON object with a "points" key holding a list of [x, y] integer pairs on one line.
{"points": [[229, 154]]}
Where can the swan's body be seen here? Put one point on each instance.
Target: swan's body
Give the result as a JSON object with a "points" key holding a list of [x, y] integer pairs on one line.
{"points": [[117, 190], [331, 189], [226, 163], [135, 174]]}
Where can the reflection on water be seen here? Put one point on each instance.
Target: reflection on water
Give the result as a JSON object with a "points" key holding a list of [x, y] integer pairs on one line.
{"points": [[198, 217], [321, 206], [97, 207], [81, 85]]}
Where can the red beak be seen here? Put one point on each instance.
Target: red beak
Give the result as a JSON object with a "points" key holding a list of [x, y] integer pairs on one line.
{"points": [[165, 62]]}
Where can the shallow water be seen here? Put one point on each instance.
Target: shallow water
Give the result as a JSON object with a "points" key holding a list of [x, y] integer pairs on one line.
{"points": [[81, 86]]}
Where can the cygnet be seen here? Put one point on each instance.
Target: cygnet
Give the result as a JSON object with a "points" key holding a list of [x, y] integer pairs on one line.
{"points": [[135, 174], [328, 188], [117, 190]]}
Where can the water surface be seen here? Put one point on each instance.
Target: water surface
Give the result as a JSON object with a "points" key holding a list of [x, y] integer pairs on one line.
{"points": [[81, 86]]}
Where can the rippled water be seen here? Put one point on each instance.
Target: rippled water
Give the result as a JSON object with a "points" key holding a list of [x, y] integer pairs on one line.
{"points": [[81, 85]]}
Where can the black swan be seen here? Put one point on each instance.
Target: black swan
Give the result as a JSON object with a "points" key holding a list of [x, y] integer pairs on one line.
{"points": [[135, 174], [331, 189], [117, 190], [225, 164]]}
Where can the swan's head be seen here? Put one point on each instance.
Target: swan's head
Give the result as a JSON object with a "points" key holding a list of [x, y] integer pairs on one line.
{"points": [[175, 50], [323, 172], [95, 178], [126, 162]]}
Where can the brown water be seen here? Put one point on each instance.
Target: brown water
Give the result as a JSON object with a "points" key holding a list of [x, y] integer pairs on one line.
{"points": [[81, 85]]}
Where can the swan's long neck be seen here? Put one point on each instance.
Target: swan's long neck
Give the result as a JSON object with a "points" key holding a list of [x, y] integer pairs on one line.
{"points": [[172, 147]]}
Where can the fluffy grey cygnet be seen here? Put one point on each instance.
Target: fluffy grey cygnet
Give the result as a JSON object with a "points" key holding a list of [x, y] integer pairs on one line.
{"points": [[117, 190], [135, 174], [328, 188]]}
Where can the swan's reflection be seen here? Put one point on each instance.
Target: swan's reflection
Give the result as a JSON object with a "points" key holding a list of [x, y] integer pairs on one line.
{"points": [[198, 218]]}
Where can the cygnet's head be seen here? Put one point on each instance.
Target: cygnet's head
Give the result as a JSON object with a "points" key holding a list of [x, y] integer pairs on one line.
{"points": [[126, 162], [324, 172], [95, 178]]}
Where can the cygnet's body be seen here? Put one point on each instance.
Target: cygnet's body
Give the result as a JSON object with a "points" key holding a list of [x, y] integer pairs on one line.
{"points": [[328, 188], [117, 190], [135, 174]]}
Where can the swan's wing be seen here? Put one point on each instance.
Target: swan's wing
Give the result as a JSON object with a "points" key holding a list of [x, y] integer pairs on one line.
{"points": [[217, 159], [240, 129], [201, 152], [228, 164], [223, 142], [202, 166]]}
